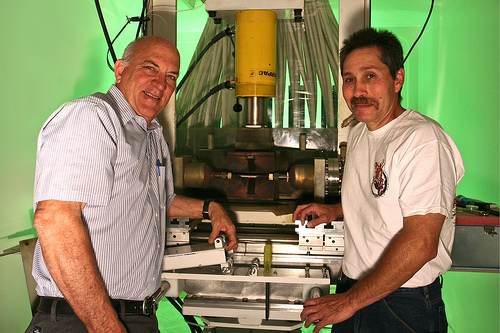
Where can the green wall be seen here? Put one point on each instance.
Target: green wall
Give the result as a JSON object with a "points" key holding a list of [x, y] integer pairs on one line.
{"points": [[54, 51], [51, 51], [452, 75]]}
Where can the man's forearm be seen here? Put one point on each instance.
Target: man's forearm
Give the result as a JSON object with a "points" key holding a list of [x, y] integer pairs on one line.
{"points": [[69, 256], [414, 246], [185, 207]]}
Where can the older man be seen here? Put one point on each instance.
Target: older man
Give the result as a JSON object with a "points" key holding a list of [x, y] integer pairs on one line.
{"points": [[398, 192], [103, 190]]}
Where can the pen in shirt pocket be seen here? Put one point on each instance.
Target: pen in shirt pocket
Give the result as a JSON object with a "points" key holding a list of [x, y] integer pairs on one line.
{"points": [[158, 166]]}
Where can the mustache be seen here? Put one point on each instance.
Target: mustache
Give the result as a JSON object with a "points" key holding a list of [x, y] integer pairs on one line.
{"points": [[363, 100]]}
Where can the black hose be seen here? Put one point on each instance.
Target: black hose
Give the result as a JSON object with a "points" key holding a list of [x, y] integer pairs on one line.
{"points": [[106, 35], [140, 27], [119, 33], [220, 86], [226, 32], [187, 319]]}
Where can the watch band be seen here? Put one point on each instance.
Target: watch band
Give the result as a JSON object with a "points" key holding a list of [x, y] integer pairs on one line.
{"points": [[206, 204]]}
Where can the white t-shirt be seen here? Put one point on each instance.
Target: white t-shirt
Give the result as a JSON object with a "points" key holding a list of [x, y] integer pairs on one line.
{"points": [[408, 167]]}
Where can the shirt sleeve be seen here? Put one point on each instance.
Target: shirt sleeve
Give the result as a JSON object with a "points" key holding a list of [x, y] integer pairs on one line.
{"points": [[75, 155], [428, 179]]}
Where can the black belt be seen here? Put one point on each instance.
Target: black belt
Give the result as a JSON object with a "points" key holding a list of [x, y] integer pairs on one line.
{"points": [[146, 307], [344, 283]]}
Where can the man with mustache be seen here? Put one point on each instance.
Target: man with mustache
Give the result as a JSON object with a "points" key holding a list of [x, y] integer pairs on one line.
{"points": [[397, 202], [103, 191]]}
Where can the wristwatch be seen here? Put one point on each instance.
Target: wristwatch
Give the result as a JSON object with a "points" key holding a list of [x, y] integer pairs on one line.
{"points": [[205, 209]]}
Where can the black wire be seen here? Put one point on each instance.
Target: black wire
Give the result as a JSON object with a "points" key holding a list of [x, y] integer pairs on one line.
{"points": [[421, 32], [106, 35], [141, 22], [225, 32], [144, 27], [220, 86], [119, 33], [111, 50], [177, 304]]}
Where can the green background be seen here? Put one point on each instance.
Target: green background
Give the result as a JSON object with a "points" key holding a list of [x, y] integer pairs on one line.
{"points": [[54, 51]]}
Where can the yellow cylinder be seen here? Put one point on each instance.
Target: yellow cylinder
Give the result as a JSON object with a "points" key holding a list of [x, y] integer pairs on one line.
{"points": [[256, 53], [268, 258]]}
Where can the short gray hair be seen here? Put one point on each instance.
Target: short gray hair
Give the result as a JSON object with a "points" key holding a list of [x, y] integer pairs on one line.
{"points": [[128, 52]]}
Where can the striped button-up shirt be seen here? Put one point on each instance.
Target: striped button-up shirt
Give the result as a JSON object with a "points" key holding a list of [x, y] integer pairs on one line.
{"points": [[97, 150]]}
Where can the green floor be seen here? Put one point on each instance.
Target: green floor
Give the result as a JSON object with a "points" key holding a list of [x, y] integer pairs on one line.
{"points": [[171, 321], [471, 298]]}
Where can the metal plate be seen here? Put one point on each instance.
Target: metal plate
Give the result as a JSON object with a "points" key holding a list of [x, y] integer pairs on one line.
{"points": [[474, 248]]}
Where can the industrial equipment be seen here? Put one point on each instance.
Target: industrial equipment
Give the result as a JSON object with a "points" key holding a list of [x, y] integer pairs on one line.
{"points": [[257, 131]]}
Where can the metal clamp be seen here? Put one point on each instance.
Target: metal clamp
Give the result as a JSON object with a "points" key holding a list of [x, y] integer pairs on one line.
{"points": [[254, 268], [490, 230], [150, 304]]}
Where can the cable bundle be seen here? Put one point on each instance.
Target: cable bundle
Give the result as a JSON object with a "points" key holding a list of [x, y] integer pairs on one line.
{"points": [[214, 68], [307, 66]]}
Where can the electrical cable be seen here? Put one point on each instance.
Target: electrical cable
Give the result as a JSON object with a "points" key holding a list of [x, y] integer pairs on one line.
{"points": [[174, 304], [142, 16], [140, 27], [216, 66], [140, 19], [129, 19], [421, 32], [107, 54], [226, 32], [177, 304], [105, 30], [217, 88]]}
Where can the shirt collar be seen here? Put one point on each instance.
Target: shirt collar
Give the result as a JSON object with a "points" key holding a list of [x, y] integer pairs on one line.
{"points": [[128, 113]]}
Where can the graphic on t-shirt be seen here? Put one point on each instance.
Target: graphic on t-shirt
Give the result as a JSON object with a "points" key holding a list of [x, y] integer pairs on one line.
{"points": [[379, 184]]}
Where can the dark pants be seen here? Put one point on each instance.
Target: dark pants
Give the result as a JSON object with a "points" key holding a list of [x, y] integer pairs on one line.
{"points": [[405, 310], [69, 323]]}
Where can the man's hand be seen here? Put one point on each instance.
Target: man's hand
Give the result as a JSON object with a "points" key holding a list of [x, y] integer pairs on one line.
{"points": [[410, 249], [326, 310], [222, 223], [189, 207], [324, 213]]}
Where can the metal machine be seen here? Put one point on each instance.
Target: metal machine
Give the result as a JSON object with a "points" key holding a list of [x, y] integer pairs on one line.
{"points": [[264, 142]]}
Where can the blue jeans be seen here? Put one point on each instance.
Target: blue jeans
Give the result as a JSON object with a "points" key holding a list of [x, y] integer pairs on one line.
{"points": [[405, 310]]}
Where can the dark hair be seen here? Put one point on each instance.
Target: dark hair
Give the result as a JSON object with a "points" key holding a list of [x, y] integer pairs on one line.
{"points": [[388, 44]]}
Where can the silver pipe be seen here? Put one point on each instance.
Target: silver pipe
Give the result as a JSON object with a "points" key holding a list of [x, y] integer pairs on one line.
{"points": [[256, 109]]}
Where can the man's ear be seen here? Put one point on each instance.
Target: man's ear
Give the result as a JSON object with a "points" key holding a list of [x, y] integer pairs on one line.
{"points": [[400, 79], [119, 66]]}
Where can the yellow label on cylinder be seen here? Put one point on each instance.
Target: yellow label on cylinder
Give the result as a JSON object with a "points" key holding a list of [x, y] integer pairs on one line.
{"points": [[256, 53]]}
